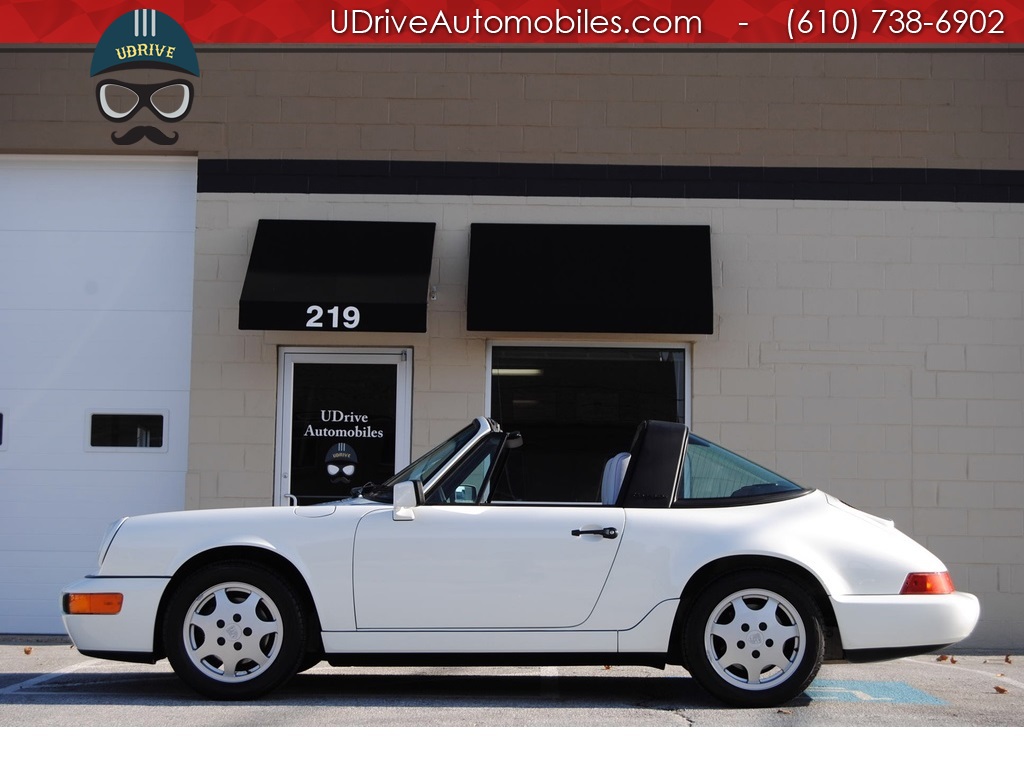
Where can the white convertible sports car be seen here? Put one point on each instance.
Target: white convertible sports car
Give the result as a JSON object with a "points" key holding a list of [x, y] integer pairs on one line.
{"points": [[691, 556]]}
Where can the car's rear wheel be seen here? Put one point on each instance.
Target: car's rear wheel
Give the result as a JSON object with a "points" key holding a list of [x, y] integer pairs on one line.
{"points": [[234, 631], [754, 639]]}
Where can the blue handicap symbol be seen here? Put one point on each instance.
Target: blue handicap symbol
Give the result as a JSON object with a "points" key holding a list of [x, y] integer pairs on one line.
{"points": [[870, 691]]}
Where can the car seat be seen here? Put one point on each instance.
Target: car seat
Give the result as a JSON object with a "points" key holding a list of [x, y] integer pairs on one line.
{"points": [[611, 481]]}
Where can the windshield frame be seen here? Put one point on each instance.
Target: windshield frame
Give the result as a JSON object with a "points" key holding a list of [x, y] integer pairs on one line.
{"points": [[429, 468]]}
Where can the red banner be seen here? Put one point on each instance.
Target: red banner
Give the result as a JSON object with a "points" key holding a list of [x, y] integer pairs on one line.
{"points": [[534, 22]]}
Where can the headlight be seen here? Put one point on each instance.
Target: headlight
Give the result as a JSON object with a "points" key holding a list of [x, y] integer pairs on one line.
{"points": [[108, 539]]}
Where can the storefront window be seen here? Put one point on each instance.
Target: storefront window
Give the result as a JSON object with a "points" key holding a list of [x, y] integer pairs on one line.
{"points": [[578, 406]]}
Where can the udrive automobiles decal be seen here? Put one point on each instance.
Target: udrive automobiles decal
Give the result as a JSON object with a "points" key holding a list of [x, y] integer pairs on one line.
{"points": [[354, 425], [144, 40]]}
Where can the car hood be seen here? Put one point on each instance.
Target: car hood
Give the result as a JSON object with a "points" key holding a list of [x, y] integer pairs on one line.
{"points": [[329, 507], [157, 544]]}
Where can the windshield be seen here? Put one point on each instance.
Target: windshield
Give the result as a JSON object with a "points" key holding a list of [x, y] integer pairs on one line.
{"points": [[711, 472], [425, 467]]}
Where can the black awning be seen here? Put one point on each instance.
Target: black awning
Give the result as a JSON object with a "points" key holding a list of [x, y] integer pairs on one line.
{"points": [[633, 278], [337, 276]]}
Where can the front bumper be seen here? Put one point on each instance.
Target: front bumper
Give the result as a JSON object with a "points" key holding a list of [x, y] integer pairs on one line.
{"points": [[911, 622], [127, 634]]}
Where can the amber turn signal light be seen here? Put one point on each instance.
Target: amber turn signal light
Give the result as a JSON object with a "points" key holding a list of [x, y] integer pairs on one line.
{"points": [[93, 603], [928, 584]]}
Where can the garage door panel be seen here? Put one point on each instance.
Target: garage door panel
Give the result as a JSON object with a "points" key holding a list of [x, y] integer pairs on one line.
{"points": [[95, 317], [89, 194], [149, 271], [81, 350]]}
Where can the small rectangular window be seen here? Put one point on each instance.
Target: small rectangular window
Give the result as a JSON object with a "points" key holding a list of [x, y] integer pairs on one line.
{"points": [[1, 430], [126, 430]]}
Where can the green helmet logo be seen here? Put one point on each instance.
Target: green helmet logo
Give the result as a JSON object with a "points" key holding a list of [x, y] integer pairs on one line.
{"points": [[144, 38]]}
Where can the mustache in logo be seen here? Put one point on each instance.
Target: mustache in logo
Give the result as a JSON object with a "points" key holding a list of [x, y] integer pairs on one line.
{"points": [[140, 132]]}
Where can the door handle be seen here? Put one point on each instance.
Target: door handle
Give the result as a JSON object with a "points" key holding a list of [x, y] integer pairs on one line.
{"points": [[608, 533]]}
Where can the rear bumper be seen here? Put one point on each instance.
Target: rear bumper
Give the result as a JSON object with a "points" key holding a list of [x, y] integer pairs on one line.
{"points": [[128, 634], [903, 624]]}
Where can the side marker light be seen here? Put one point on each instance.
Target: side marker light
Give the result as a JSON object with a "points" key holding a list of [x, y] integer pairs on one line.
{"points": [[105, 603]]}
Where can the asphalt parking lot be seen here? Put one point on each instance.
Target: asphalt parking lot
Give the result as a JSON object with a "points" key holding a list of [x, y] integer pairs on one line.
{"points": [[46, 682]]}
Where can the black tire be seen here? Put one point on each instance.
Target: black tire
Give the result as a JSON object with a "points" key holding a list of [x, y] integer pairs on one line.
{"points": [[234, 631], [754, 639]]}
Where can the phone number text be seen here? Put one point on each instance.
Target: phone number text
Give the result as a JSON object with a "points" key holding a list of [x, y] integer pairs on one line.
{"points": [[889, 24]]}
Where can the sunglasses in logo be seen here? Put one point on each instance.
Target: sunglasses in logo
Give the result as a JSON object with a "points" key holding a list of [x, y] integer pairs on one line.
{"points": [[169, 101]]}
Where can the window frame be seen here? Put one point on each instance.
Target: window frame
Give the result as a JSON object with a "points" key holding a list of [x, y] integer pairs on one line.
{"points": [[492, 448], [164, 414], [686, 347], [684, 381]]}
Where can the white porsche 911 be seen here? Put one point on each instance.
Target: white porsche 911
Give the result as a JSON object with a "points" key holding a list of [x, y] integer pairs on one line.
{"points": [[692, 556]]}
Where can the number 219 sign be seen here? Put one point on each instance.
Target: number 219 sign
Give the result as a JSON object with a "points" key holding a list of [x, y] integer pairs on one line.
{"points": [[332, 317]]}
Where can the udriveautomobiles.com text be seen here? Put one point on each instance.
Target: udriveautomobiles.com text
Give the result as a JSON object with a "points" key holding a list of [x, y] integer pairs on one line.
{"points": [[478, 24]]}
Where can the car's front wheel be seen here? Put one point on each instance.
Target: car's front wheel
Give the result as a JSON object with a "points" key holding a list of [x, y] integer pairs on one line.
{"points": [[754, 639], [234, 631]]}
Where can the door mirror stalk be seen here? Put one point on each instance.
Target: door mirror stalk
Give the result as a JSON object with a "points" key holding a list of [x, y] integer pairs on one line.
{"points": [[408, 496]]}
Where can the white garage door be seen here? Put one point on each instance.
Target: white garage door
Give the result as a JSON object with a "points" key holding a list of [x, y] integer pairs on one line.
{"points": [[96, 269]]}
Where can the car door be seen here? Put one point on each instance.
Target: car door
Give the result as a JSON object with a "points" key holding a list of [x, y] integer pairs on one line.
{"points": [[483, 566]]}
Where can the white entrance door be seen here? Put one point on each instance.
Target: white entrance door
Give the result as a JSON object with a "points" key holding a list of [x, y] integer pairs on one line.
{"points": [[344, 419]]}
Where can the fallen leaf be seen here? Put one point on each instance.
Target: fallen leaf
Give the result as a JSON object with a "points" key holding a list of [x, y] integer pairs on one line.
{"points": [[1000, 689], [943, 657], [1007, 659], [28, 651], [783, 712], [952, 659], [607, 666], [1000, 675]]}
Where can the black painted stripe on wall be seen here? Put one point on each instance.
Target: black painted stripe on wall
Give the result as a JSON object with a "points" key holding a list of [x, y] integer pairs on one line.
{"points": [[324, 177]]}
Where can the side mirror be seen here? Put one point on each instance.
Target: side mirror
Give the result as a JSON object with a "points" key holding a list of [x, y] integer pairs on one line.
{"points": [[408, 496], [465, 494]]}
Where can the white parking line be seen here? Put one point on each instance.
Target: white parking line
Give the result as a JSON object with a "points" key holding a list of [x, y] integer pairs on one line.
{"points": [[40, 679], [1000, 678]]}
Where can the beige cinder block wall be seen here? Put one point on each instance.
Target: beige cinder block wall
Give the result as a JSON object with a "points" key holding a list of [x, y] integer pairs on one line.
{"points": [[700, 106]]}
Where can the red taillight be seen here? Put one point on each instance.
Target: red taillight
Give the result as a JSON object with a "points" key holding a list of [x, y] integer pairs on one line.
{"points": [[928, 584]]}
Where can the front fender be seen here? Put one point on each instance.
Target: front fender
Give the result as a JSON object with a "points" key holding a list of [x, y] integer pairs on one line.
{"points": [[318, 547]]}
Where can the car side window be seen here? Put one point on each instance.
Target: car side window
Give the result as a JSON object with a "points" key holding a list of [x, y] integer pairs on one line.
{"points": [[468, 483], [711, 472]]}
